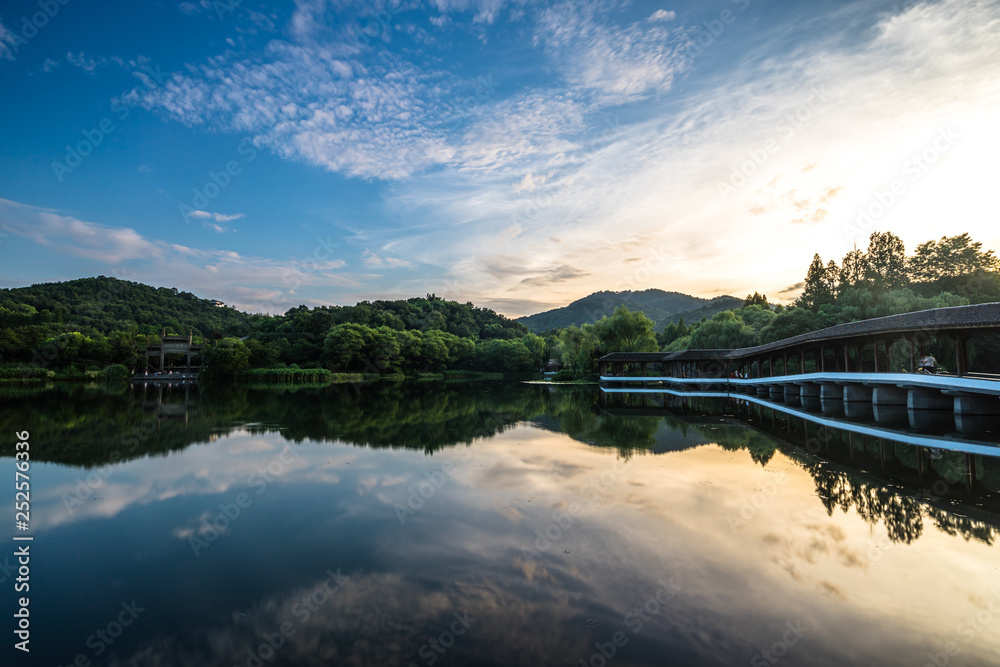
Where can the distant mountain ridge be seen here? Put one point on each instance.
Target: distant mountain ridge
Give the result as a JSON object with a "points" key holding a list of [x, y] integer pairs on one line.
{"points": [[660, 306]]}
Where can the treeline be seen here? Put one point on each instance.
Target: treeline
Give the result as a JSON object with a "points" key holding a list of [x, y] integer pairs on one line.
{"points": [[876, 282], [880, 281], [92, 328]]}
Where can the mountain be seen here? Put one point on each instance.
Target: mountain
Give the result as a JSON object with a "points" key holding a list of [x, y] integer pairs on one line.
{"points": [[659, 306]]}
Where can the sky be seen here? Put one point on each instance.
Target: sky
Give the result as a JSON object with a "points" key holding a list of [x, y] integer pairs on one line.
{"points": [[515, 154]]}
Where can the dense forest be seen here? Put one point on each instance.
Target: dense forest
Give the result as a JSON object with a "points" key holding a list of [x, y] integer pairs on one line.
{"points": [[99, 327]]}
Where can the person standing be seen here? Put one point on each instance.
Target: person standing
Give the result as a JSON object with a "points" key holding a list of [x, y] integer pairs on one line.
{"points": [[928, 364]]}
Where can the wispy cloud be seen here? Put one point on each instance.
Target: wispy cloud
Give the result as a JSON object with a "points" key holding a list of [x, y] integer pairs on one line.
{"points": [[272, 283], [616, 63], [557, 274], [372, 259], [8, 43], [213, 220], [385, 114]]}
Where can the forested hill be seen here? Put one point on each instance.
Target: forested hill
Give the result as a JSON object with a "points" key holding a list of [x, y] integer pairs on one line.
{"points": [[103, 305], [660, 306], [96, 321]]}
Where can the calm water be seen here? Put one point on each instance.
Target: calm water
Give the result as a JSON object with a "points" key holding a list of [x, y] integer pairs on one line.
{"points": [[488, 524]]}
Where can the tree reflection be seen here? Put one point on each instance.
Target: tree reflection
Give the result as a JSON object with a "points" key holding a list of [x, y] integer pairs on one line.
{"points": [[94, 425], [902, 515]]}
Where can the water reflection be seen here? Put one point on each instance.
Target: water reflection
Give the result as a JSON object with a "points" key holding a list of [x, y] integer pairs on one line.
{"points": [[493, 524]]}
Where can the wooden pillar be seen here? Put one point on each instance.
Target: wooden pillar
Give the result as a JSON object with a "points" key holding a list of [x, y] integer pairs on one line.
{"points": [[913, 356], [822, 358], [961, 355], [847, 359], [784, 368], [802, 360], [875, 349]]}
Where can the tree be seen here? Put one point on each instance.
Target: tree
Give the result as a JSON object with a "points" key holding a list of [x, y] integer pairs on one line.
{"points": [[951, 257], [577, 347], [792, 322], [226, 358], [852, 270], [756, 299], [756, 317], [626, 331], [726, 330], [344, 346], [833, 278], [817, 289], [671, 333], [885, 266]]}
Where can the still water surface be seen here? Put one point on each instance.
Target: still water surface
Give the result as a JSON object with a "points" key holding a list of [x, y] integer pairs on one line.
{"points": [[488, 523]]}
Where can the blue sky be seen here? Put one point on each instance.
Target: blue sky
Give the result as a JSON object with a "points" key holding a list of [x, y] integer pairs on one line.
{"points": [[511, 153]]}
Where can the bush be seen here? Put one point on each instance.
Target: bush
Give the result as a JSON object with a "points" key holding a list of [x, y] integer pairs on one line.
{"points": [[115, 372], [26, 373], [289, 375]]}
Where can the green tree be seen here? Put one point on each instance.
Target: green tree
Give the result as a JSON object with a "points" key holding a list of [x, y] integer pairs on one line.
{"points": [[886, 265], [817, 290], [226, 358], [853, 269], [626, 331], [755, 316], [951, 257], [726, 330], [756, 299], [577, 348], [791, 322], [344, 346], [671, 333]]}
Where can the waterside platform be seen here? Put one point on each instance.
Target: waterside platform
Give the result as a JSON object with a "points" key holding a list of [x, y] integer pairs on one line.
{"points": [[888, 398]]}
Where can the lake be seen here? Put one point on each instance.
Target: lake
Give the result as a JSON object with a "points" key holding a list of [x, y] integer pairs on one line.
{"points": [[487, 523]]}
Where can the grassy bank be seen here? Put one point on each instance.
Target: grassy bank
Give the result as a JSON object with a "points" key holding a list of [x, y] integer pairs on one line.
{"points": [[17, 373]]}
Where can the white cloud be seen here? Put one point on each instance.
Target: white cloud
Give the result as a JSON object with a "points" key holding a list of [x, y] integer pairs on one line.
{"points": [[618, 64], [370, 258], [82, 61], [305, 103], [662, 15], [384, 116], [484, 11], [8, 43], [193, 8], [212, 220]]}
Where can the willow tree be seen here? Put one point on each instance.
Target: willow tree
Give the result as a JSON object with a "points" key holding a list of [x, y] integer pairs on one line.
{"points": [[626, 331]]}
